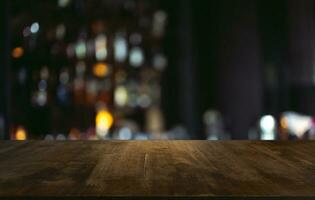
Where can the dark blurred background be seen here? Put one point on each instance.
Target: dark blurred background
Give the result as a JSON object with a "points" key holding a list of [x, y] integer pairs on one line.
{"points": [[157, 69]]}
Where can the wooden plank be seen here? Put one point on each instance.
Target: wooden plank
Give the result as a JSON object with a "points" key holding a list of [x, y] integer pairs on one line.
{"points": [[194, 169]]}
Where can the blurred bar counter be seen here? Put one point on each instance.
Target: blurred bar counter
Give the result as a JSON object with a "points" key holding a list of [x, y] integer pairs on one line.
{"points": [[157, 169]]}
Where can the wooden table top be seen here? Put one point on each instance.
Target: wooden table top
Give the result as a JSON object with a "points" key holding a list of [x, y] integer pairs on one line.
{"points": [[85, 169]]}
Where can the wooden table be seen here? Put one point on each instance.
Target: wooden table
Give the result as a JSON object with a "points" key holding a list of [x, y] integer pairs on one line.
{"points": [[157, 169]]}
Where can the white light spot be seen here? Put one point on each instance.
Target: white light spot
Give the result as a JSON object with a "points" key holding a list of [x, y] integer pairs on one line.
{"points": [[80, 49], [120, 49], [136, 57], [267, 126], [101, 47], [35, 27], [125, 134]]}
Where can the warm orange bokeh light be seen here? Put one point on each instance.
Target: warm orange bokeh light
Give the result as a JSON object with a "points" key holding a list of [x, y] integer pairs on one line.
{"points": [[20, 134], [101, 70], [17, 52]]}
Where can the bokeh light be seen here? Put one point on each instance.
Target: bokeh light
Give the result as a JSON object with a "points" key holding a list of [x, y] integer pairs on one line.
{"points": [[20, 134], [17, 52], [103, 121], [101, 70]]}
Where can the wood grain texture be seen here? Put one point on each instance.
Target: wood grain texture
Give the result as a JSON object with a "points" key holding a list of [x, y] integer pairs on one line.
{"points": [[157, 169]]}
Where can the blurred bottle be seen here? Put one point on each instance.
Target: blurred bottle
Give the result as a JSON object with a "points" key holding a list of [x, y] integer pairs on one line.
{"points": [[268, 127], [155, 122], [214, 125]]}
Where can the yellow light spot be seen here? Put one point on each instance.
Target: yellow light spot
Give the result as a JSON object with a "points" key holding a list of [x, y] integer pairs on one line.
{"points": [[104, 120], [101, 70], [17, 52], [20, 134]]}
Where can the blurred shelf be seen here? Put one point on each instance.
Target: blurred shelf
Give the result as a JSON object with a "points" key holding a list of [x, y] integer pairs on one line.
{"points": [[160, 169]]}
